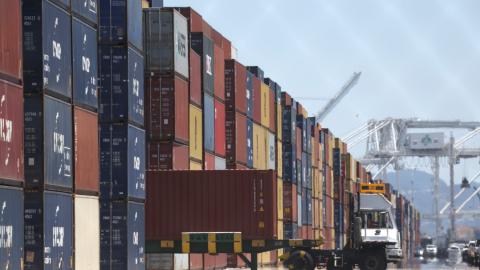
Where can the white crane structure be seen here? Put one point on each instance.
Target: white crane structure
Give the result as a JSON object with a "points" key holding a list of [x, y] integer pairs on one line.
{"points": [[390, 140], [338, 97]]}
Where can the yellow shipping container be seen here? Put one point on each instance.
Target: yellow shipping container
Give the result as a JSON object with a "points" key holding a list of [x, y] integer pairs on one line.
{"points": [[196, 133], [145, 4], [279, 159], [279, 198], [195, 166], [260, 144], [265, 103], [279, 121]]}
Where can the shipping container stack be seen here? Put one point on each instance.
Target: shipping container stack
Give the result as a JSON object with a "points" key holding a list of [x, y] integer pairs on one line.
{"points": [[289, 151], [11, 136], [317, 185], [122, 135], [328, 189], [167, 90], [48, 65]]}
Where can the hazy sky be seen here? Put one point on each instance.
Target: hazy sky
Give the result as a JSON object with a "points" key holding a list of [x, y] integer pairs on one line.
{"points": [[419, 58]]}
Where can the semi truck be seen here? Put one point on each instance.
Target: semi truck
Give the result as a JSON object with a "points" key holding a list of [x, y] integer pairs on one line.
{"points": [[374, 238]]}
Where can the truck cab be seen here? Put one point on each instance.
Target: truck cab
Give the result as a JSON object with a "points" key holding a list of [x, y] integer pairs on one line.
{"points": [[378, 228]]}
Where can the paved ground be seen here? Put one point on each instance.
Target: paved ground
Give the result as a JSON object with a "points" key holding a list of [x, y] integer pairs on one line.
{"points": [[432, 264]]}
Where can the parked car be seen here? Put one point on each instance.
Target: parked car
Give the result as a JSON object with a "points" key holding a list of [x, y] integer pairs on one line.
{"points": [[431, 251], [419, 252], [454, 254]]}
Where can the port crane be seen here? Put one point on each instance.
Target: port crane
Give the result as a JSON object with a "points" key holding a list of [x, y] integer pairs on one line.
{"points": [[385, 146]]}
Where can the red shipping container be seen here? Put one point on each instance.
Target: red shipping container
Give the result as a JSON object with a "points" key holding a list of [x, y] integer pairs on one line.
{"points": [[290, 204], [167, 156], [298, 147], [236, 139], [195, 78], [11, 40], [211, 201], [286, 99], [219, 80], [11, 133], [227, 48], [87, 171], [235, 86], [209, 162], [218, 261], [195, 20], [219, 128], [273, 110], [167, 109], [257, 102]]}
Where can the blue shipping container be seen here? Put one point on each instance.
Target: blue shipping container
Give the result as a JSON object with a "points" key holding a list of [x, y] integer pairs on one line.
{"points": [[257, 71], [249, 94], [121, 22], [289, 124], [302, 124], [11, 228], [84, 64], [309, 172], [304, 170], [48, 230], [122, 236], [48, 143], [290, 230], [289, 163], [300, 180], [202, 45], [304, 207], [121, 85], [309, 207], [339, 225], [47, 61], [209, 123], [122, 161], [86, 9], [300, 207], [249, 143]]}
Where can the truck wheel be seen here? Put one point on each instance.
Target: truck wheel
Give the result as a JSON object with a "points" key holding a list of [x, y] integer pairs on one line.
{"points": [[373, 261], [300, 260]]}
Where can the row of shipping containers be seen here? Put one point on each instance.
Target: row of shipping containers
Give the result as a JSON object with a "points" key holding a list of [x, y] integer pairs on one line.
{"points": [[108, 93], [207, 111]]}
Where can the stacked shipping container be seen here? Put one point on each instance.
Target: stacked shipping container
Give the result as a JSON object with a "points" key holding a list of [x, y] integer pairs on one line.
{"points": [[122, 137], [11, 136]]}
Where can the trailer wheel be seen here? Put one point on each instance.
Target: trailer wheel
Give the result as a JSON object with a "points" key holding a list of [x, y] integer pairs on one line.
{"points": [[373, 261], [301, 260]]}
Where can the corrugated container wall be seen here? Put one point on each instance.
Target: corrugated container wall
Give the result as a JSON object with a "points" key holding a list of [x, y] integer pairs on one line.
{"points": [[87, 232], [219, 80], [48, 230], [167, 156], [196, 133], [87, 162], [208, 123], [120, 23], [122, 80], [47, 50], [123, 227], [11, 133], [48, 143], [85, 64], [203, 45], [255, 216], [122, 160], [195, 78], [11, 224], [219, 128], [166, 42], [236, 139], [235, 86], [11, 41]]}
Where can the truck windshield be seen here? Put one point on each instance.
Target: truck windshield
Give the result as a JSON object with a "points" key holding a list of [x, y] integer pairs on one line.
{"points": [[376, 220]]}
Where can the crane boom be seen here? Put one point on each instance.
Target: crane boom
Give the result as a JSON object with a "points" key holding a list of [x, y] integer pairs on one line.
{"points": [[338, 97]]}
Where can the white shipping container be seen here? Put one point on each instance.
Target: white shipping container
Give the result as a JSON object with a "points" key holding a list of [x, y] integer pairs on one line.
{"points": [[87, 232], [181, 262], [220, 163]]}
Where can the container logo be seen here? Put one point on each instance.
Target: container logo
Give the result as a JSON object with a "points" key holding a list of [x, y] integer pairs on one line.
{"points": [[57, 50], [136, 163], [58, 236], [60, 148], [6, 235], [91, 5], [208, 65], [181, 44], [136, 84], [6, 126]]}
